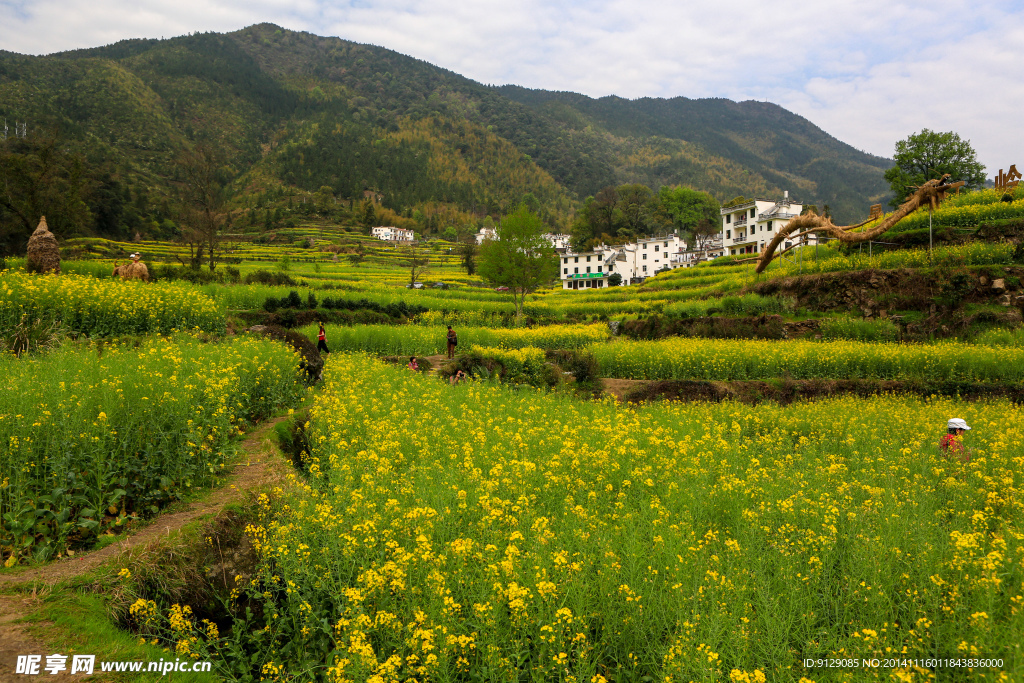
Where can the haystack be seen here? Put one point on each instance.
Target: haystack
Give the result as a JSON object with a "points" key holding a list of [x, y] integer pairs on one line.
{"points": [[43, 253], [136, 270]]}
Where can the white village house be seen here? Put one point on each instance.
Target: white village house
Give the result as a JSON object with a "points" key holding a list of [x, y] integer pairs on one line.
{"points": [[748, 227], [558, 241], [709, 251], [393, 234], [486, 234], [633, 262], [586, 270]]}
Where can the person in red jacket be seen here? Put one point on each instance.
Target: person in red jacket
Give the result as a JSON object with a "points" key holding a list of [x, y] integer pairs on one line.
{"points": [[952, 444], [321, 340]]}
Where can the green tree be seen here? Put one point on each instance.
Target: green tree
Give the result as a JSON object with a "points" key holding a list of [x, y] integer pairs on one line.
{"points": [[685, 208], [704, 232], [417, 264], [468, 254], [39, 177], [202, 211], [324, 200], [930, 154], [520, 258], [369, 217], [637, 204]]}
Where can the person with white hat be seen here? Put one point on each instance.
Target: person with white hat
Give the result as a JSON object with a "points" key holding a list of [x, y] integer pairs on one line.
{"points": [[953, 443]]}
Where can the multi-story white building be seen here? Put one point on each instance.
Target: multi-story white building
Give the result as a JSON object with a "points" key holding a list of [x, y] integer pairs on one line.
{"points": [[586, 270], [647, 256], [748, 227], [393, 234], [486, 234], [558, 241], [710, 250]]}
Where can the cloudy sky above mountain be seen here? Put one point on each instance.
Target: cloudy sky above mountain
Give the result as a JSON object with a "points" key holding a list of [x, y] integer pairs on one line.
{"points": [[868, 72]]}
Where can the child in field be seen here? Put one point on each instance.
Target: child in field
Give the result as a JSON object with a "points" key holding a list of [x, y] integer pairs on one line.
{"points": [[321, 340], [952, 444], [413, 365], [458, 378]]}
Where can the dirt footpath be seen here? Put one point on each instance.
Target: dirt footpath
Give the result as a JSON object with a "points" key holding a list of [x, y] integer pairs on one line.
{"points": [[260, 465]]}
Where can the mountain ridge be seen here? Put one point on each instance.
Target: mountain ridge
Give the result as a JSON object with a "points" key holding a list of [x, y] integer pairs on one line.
{"points": [[273, 99]]}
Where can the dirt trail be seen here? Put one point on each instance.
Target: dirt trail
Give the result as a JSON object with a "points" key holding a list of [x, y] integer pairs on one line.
{"points": [[620, 387], [260, 464]]}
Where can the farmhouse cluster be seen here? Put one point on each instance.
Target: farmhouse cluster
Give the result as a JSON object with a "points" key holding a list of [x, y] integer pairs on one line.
{"points": [[746, 229]]}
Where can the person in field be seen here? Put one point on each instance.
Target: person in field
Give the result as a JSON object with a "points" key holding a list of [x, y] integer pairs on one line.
{"points": [[952, 444], [452, 339], [321, 340], [458, 378], [413, 365]]}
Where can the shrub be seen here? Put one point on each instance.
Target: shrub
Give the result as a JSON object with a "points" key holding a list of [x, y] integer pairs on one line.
{"points": [[271, 304], [265, 277]]}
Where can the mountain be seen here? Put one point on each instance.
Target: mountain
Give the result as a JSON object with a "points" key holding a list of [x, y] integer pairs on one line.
{"points": [[293, 112]]}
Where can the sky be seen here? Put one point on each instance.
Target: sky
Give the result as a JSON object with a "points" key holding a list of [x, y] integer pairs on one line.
{"points": [[868, 72]]}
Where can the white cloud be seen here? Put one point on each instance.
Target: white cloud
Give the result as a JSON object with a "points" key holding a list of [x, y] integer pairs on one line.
{"points": [[868, 72]]}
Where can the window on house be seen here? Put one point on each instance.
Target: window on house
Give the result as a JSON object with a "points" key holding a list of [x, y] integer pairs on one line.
{"points": [[588, 269], [769, 226], [645, 257], [751, 213], [565, 260], [645, 269], [728, 218], [645, 245], [577, 260], [599, 269], [575, 271], [666, 244], [728, 234], [588, 259], [565, 271], [655, 247]]}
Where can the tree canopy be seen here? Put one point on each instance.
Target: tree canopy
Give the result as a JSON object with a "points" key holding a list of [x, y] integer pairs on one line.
{"points": [[928, 155], [520, 257], [685, 208]]}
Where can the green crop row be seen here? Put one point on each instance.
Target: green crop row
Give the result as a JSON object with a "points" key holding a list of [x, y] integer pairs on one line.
{"points": [[727, 359]]}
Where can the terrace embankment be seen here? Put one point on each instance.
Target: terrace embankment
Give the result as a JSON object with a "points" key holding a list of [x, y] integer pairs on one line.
{"points": [[941, 291], [786, 391]]}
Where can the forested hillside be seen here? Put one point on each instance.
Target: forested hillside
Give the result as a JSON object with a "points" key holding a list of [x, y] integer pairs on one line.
{"points": [[293, 114]]}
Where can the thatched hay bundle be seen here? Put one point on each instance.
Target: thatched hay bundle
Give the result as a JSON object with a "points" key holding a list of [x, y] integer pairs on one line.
{"points": [[136, 271], [43, 254]]}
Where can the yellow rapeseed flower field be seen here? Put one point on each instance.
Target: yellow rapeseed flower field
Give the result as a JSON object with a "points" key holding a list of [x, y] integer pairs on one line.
{"points": [[104, 307], [738, 359], [478, 533]]}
